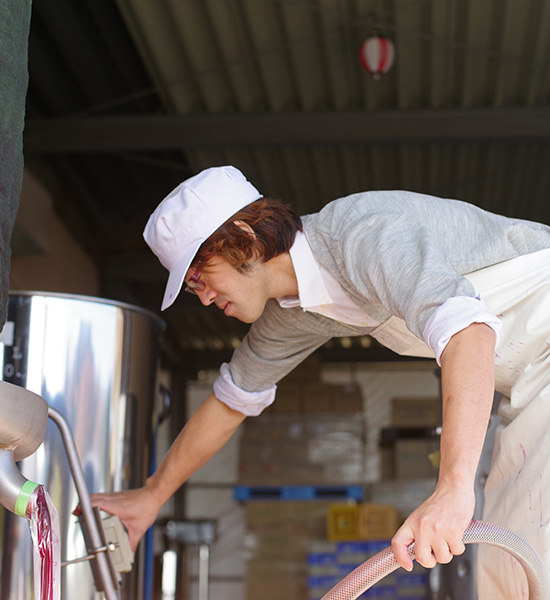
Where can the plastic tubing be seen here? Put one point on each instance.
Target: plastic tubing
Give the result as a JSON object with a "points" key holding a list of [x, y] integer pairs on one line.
{"points": [[477, 532]]}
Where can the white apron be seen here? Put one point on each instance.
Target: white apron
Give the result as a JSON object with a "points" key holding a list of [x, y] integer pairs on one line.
{"points": [[517, 492]]}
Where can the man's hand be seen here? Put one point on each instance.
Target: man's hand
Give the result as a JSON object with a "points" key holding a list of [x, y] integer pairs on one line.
{"points": [[205, 433], [137, 509], [467, 383], [436, 527]]}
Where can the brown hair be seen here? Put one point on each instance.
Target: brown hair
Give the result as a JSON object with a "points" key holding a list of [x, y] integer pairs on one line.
{"points": [[274, 225]]}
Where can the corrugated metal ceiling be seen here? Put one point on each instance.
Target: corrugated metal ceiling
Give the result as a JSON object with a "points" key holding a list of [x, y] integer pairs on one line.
{"points": [[462, 113]]}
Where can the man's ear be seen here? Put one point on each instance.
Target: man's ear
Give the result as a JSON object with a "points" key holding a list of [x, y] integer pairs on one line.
{"points": [[245, 227]]}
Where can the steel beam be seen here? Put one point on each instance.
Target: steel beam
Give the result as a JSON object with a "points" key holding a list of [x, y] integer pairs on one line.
{"points": [[170, 132]]}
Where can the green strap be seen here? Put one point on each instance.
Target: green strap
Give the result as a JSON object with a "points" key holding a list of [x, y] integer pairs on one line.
{"points": [[23, 498]]}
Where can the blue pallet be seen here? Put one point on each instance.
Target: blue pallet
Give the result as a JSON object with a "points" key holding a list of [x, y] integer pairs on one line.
{"points": [[298, 492], [322, 581], [369, 547], [380, 591], [410, 579], [321, 558]]}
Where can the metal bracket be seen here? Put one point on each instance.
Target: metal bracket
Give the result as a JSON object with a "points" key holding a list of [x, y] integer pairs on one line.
{"points": [[115, 546]]}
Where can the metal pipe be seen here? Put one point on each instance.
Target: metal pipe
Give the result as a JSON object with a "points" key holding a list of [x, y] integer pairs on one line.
{"points": [[22, 430], [24, 420], [204, 564], [15, 490], [103, 565]]}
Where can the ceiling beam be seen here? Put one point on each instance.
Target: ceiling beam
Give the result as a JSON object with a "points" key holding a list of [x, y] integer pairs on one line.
{"points": [[169, 132]]}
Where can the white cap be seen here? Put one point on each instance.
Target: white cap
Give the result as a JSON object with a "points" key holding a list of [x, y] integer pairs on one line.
{"points": [[189, 215]]}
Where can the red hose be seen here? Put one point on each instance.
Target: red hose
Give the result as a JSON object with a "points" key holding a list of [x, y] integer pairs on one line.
{"points": [[477, 532]]}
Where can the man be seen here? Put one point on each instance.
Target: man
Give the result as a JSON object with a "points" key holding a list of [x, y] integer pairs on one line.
{"points": [[388, 264]]}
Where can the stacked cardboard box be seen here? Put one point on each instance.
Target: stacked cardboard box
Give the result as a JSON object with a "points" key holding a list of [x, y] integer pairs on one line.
{"points": [[404, 494], [305, 449], [278, 539], [362, 521], [303, 391], [289, 555], [415, 412], [409, 449], [313, 434], [408, 454], [290, 558], [416, 458], [314, 396]]}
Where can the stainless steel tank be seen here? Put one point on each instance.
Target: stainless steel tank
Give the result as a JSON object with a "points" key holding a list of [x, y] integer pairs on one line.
{"points": [[94, 361]]}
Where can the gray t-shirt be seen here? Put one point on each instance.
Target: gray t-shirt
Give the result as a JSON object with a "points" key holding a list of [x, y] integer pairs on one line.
{"points": [[395, 253]]}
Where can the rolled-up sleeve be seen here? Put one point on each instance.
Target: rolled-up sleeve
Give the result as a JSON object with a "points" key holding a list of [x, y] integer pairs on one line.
{"points": [[250, 404], [454, 315]]}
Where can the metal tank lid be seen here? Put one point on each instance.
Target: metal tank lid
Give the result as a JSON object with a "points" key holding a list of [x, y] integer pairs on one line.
{"points": [[83, 298]]}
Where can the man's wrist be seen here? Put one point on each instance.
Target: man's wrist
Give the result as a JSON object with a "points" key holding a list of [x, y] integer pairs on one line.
{"points": [[151, 486], [457, 478]]}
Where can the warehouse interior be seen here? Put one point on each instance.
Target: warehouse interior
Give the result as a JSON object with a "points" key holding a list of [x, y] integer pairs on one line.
{"points": [[127, 98]]}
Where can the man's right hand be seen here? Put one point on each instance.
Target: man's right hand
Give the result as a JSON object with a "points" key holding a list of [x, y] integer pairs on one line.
{"points": [[137, 509]]}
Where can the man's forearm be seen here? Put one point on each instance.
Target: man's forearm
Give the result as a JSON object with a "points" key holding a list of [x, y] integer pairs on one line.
{"points": [[208, 429], [467, 372], [437, 525]]}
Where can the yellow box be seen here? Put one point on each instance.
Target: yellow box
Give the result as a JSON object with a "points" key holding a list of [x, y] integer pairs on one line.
{"points": [[362, 521], [378, 521], [343, 522]]}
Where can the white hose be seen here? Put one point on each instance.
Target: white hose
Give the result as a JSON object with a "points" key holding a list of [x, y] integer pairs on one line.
{"points": [[477, 532]]}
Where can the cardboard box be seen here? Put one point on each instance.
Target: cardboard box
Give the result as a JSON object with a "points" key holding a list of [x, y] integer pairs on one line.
{"points": [[378, 521], [289, 398], [416, 412], [412, 458], [363, 521], [308, 449], [404, 494], [277, 544], [387, 462], [307, 371], [346, 398], [291, 517], [343, 522], [317, 397]]}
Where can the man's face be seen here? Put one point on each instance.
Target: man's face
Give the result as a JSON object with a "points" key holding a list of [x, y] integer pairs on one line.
{"points": [[239, 294]]}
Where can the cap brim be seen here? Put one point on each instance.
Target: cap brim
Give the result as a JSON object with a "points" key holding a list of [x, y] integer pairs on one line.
{"points": [[177, 276]]}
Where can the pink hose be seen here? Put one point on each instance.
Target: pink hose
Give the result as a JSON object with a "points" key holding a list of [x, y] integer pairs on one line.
{"points": [[477, 532]]}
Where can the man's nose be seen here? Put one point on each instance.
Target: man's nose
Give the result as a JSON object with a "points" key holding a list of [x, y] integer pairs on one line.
{"points": [[206, 296]]}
